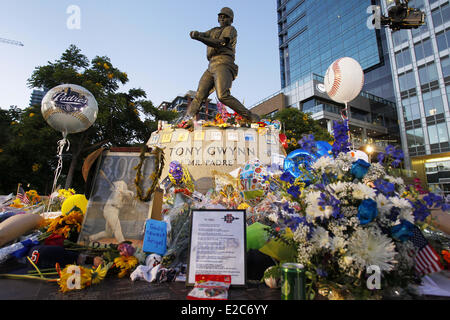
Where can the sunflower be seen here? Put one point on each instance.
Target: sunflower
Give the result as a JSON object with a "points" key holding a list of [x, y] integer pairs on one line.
{"points": [[74, 277], [125, 264], [99, 274]]}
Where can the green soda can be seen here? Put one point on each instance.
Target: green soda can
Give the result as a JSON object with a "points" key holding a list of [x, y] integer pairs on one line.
{"points": [[293, 285]]}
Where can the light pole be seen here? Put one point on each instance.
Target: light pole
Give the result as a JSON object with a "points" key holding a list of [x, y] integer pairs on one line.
{"points": [[369, 150]]}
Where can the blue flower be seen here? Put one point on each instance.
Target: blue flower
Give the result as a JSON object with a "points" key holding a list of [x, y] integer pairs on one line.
{"points": [[367, 211], [294, 191], [360, 168], [386, 188], [287, 177], [341, 143], [420, 210], [381, 157], [403, 231], [308, 143]]}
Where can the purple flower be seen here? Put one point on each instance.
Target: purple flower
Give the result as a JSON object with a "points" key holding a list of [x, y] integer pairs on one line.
{"points": [[126, 249], [341, 143]]}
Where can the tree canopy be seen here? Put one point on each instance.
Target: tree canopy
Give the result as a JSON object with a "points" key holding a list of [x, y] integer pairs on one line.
{"points": [[297, 124], [28, 144]]}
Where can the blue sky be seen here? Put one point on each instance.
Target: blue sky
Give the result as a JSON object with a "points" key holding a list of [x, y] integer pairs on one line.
{"points": [[149, 40]]}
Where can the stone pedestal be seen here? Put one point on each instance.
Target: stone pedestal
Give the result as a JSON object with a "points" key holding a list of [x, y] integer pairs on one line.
{"points": [[206, 150]]}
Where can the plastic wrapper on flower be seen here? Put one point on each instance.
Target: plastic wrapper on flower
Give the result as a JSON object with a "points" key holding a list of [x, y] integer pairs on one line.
{"points": [[254, 183], [180, 176]]}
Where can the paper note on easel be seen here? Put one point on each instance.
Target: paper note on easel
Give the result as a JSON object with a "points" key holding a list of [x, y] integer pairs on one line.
{"points": [[155, 237]]}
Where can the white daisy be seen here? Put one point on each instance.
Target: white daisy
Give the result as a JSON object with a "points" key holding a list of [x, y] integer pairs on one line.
{"points": [[383, 203], [362, 191], [369, 246], [323, 164], [338, 244], [320, 238]]}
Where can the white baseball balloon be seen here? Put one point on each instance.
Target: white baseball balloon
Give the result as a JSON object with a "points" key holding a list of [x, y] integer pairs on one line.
{"points": [[344, 80], [69, 108]]}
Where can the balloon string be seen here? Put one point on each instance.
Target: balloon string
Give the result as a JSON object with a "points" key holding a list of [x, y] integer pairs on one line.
{"points": [[61, 144], [344, 115]]}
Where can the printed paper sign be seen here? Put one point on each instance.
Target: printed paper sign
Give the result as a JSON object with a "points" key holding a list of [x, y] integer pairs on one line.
{"points": [[218, 245], [216, 135], [232, 136], [166, 138], [155, 237], [154, 139], [183, 136], [249, 137], [199, 135]]}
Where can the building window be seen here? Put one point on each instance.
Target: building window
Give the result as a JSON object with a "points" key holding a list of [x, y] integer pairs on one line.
{"points": [[403, 58], [423, 49], [445, 64], [438, 133], [443, 40], [441, 15], [432, 102], [411, 109], [414, 137], [399, 37], [428, 73], [407, 81]]}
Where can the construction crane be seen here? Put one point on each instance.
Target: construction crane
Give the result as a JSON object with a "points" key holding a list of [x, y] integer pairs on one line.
{"points": [[13, 42]]}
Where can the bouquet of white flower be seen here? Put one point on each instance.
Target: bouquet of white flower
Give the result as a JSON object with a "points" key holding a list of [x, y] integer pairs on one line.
{"points": [[354, 224]]}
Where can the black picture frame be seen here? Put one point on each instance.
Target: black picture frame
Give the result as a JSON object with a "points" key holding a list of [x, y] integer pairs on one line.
{"points": [[244, 241]]}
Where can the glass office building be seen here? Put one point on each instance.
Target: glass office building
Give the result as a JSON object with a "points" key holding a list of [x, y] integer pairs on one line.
{"points": [[420, 60], [313, 34]]}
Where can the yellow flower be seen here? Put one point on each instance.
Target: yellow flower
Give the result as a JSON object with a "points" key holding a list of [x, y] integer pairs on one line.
{"points": [[74, 277], [16, 204], [13, 123], [294, 142], [136, 111], [110, 75], [105, 65], [32, 114], [98, 84], [243, 206], [126, 264], [305, 117], [99, 274]]}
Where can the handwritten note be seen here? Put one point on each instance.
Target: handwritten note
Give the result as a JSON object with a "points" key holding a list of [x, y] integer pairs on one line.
{"points": [[155, 237]]}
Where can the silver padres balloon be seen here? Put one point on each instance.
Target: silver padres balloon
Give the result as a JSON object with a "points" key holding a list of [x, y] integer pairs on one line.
{"points": [[69, 108]]}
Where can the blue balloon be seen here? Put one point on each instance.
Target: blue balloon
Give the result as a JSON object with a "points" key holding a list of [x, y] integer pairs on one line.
{"points": [[297, 159], [323, 149]]}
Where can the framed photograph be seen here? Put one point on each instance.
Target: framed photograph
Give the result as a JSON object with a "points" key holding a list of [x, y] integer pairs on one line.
{"points": [[114, 213], [218, 245]]}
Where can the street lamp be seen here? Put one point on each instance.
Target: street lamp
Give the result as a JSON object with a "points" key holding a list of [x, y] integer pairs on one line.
{"points": [[369, 150]]}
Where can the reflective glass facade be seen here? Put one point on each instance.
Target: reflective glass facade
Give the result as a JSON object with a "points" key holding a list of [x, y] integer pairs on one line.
{"points": [[314, 33], [420, 60]]}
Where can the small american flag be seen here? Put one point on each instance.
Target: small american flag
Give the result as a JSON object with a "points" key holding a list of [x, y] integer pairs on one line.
{"points": [[22, 196], [426, 260]]}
